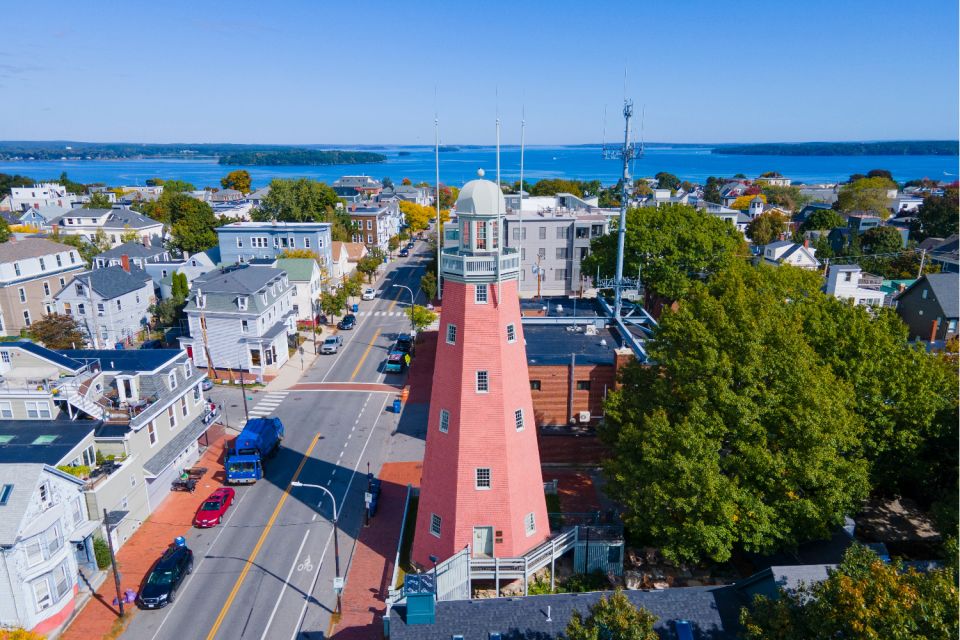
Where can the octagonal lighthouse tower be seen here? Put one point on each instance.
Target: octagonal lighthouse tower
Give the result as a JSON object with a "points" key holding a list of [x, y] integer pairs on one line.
{"points": [[481, 483]]}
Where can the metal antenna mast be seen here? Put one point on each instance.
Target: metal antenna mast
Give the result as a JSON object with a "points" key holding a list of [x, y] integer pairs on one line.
{"points": [[626, 153]]}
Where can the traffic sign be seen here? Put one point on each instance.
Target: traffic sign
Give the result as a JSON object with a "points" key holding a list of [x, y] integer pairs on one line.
{"points": [[338, 584], [367, 498]]}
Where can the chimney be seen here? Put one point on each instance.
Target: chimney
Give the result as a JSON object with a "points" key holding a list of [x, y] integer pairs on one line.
{"points": [[806, 243], [125, 262], [933, 331]]}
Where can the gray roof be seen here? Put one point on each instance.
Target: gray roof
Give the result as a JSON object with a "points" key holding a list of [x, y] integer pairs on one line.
{"points": [[117, 218], [132, 250], [31, 248], [113, 282], [24, 478], [712, 611], [944, 286], [246, 280], [168, 453]]}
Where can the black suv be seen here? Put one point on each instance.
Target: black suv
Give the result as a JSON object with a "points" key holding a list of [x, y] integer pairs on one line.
{"points": [[404, 343], [165, 578], [349, 322]]}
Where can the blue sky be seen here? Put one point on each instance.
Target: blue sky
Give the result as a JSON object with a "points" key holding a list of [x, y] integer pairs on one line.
{"points": [[364, 72]]}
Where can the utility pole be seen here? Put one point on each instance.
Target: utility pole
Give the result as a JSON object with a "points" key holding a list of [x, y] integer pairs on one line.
{"points": [[113, 560], [923, 256]]}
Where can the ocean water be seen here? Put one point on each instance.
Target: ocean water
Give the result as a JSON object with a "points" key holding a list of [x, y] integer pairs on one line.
{"points": [[457, 167]]}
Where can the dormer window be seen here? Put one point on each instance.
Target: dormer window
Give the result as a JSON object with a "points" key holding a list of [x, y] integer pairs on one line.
{"points": [[242, 303], [263, 297], [201, 300], [80, 289], [172, 379], [187, 370], [16, 268]]}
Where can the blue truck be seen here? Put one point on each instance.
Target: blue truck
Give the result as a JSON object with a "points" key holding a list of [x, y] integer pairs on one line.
{"points": [[259, 438]]}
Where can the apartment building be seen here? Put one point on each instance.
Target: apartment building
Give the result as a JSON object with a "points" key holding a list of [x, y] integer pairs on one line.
{"points": [[44, 194], [32, 271], [115, 223], [242, 242], [240, 317], [373, 224]]}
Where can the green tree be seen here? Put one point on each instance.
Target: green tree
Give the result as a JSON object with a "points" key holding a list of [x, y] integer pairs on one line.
{"points": [[332, 303], [56, 331], [238, 179], [866, 194], [612, 618], [862, 598], [711, 190], [180, 288], [353, 285], [428, 284], [667, 181], [738, 434], [86, 250], [766, 228], [420, 317], [369, 264], [298, 200], [192, 223], [4, 230], [823, 220], [101, 242], [167, 313], [71, 186], [881, 240], [129, 234], [937, 217], [177, 186], [393, 243], [553, 186], [671, 246], [8, 181], [98, 200], [300, 253], [789, 198], [448, 196]]}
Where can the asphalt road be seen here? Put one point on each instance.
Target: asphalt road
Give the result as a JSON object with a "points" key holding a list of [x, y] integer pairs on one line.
{"points": [[267, 572]]}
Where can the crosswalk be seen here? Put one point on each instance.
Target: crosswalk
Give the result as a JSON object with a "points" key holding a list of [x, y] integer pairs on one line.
{"points": [[392, 314], [269, 404]]}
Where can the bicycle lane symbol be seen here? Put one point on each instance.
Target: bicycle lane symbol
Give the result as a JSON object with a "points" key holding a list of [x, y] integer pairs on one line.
{"points": [[306, 565]]}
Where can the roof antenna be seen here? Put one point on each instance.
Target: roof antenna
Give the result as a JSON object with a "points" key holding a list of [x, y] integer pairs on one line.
{"points": [[523, 125], [436, 154]]}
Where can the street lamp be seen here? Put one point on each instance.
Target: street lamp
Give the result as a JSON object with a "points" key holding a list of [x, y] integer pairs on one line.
{"points": [[336, 544], [243, 391], [412, 302]]}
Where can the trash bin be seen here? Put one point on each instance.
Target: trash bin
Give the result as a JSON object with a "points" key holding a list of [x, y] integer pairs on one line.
{"points": [[355, 307], [396, 405]]}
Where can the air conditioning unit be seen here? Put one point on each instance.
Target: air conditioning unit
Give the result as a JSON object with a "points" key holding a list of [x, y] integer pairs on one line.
{"points": [[584, 417]]}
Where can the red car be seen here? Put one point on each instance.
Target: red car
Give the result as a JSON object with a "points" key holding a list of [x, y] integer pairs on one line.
{"points": [[211, 511]]}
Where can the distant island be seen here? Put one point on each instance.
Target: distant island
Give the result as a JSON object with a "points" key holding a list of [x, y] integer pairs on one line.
{"points": [[894, 148], [300, 157], [447, 147]]}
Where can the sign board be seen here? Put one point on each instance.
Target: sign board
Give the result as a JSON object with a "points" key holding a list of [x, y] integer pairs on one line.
{"points": [[338, 584], [367, 498]]}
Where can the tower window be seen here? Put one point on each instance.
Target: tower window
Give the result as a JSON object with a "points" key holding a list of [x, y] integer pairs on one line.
{"points": [[483, 382], [483, 478], [511, 333], [480, 294], [518, 418], [444, 420], [583, 385], [534, 385], [435, 523], [451, 334], [530, 524]]}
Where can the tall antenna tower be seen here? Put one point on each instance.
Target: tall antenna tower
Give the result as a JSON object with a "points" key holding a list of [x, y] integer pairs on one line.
{"points": [[626, 154]]}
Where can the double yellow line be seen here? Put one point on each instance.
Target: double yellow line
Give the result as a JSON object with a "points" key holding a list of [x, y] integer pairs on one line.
{"points": [[256, 549]]}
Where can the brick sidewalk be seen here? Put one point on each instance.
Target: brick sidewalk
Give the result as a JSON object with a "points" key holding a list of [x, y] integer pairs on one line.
{"points": [[372, 565], [172, 518]]}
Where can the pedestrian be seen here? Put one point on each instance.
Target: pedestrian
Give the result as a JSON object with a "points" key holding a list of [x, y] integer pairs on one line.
{"points": [[406, 359]]}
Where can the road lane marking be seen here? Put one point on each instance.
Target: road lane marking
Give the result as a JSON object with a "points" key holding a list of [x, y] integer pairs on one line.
{"points": [[223, 527], [346, 492], [301, 567], [263, 538], [363, 358]]}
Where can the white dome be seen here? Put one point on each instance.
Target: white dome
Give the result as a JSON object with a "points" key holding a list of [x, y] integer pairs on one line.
{"points": [[481, 197]]}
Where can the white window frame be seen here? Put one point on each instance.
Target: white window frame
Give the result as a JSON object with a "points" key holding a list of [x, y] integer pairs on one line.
{"points": [[187, 370], [152, 433], [23, 294], [242, 303], [511, 333], [483, 381], [436, 524], [451, 333], [42, 600], [197, 394], [40, 409], [244, 326], [444, 424], [482, 478], [183, 406], [172, 416], [172, 380], [480, 293], [6, 409], [518, 419], [530, 524]]}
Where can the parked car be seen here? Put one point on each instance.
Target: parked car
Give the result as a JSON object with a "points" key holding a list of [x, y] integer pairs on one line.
{"points": [[331, 345], [404, 343], [396, 362], [211, 511], [349, 322], [207, 384], [160, 586], [404, 253], [410, 245], [369, 294]]}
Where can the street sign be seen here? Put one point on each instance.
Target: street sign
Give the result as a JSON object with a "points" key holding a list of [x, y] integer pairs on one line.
{"points": [[338, 584], [367, 498]]}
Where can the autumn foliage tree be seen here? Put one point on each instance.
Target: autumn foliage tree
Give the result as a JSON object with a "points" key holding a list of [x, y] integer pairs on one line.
{"points": [[862, 598], [239, 180], [742, 203], [767, 227], [867, 194], [57, 331], [417, 216]]}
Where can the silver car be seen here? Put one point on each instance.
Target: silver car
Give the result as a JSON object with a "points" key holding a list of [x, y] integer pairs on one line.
{"points": [[331, 344]]}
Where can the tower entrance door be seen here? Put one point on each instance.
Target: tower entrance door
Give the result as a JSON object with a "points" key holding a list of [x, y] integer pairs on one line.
{"points": [[483, 542]]}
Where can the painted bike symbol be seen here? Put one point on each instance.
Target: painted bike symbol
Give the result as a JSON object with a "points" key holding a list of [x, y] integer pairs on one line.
{"points": [[306, 565]]}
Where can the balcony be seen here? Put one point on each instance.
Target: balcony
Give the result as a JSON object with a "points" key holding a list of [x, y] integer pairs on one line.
{"points": [[481, 266]]}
